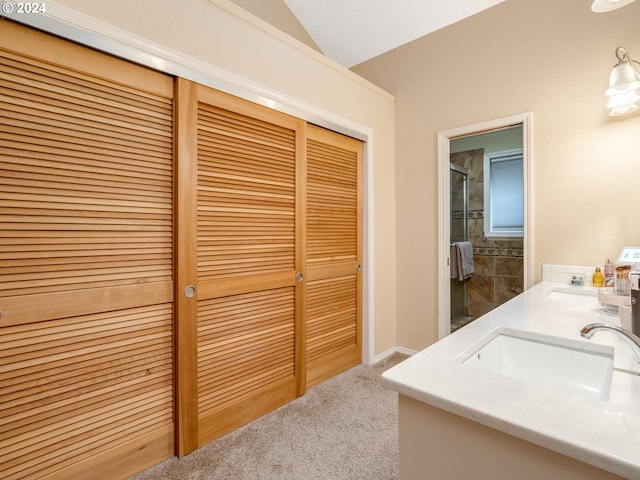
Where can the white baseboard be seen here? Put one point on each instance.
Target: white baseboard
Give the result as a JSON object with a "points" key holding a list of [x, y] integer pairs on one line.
{"points": [[406, 351], [386, 354]]}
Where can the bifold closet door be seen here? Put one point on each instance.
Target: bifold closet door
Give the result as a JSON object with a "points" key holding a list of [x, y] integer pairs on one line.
{"points": [[240, 247], [333, 287], [86, 291]]}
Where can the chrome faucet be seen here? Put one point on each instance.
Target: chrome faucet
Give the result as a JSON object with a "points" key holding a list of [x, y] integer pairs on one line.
{"points": [[630, 338]]}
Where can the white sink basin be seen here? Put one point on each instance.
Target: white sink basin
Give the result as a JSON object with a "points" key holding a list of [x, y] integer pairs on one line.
{"points": [[574, 294], [555, 362]]}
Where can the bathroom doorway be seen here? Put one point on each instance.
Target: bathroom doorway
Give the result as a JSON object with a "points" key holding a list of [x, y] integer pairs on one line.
{"points": [[501, 258]]}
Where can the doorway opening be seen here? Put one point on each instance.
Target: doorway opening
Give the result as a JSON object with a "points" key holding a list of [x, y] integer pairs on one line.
{"points": [[501, 256]]}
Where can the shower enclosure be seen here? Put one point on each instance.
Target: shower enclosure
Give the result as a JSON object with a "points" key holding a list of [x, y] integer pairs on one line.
{"points": [[459, 233]]}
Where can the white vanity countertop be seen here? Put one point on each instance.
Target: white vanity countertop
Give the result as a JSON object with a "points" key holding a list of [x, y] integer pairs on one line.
{"points": [[605, 434]]}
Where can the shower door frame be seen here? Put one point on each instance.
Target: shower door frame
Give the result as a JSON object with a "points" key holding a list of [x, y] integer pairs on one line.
{"points": [[460, 170], [444, 206], [453, 168]]}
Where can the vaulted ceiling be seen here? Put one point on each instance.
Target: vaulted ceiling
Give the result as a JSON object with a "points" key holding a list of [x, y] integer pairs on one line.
{"points": [[353, 31]]}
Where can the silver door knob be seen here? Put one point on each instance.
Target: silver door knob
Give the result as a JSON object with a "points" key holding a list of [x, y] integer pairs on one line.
{"points": [[358, 268], [189, 291], [299, 276]]}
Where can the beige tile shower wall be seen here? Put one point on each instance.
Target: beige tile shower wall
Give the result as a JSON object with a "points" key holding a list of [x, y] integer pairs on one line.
{"points": [[497, 280]]}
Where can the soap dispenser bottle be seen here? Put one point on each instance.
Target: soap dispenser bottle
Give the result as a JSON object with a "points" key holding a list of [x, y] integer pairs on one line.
{"points": [[598, 278], [608, 274]]}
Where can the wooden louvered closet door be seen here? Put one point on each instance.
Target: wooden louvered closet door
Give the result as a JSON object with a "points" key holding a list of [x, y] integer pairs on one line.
{"points": [[85, 261], [333, 287], [241, 332]]}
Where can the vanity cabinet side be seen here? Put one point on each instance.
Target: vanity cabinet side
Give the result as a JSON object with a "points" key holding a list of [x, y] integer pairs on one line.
{"points": [[439, 444]]}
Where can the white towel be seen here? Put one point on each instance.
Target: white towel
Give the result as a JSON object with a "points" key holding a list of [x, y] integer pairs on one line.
{"points": [[453, 260], [464, 254]]}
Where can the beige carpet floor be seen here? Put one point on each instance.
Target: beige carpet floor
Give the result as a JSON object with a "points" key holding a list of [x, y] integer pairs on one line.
{"points": [[344, 428]]}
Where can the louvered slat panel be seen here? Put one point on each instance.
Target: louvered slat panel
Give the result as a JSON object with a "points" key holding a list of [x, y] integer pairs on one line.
{"points": [[80, 383], [88, 95], [246, 195], [246, 342], [86, 260], [332, 203], [66, 189], [331, 316]]}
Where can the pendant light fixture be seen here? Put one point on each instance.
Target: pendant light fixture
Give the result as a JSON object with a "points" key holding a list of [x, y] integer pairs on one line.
{"points": [[623, 83], [600, 6]]}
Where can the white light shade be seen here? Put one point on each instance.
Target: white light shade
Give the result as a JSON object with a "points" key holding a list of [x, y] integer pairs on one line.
{"points": [[622, 79], [600, 6], [623, 103], [617, 101], [623, 110]]}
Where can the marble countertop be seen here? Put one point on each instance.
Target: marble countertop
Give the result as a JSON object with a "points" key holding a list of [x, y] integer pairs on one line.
{"points": [[605, 434]]}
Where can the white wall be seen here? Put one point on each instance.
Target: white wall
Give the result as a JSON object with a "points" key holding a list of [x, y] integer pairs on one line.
{"points": [[235, 52]]}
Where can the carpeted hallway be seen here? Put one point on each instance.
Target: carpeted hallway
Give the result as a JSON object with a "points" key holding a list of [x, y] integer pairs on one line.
{"points": [[344, 428]]}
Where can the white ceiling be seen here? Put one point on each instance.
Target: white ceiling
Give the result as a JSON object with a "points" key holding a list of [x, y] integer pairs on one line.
{"points": [[352, 31]]}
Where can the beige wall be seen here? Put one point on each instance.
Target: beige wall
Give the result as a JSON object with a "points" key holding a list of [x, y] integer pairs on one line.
{"points": [[546, 56], [218, 34]]}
